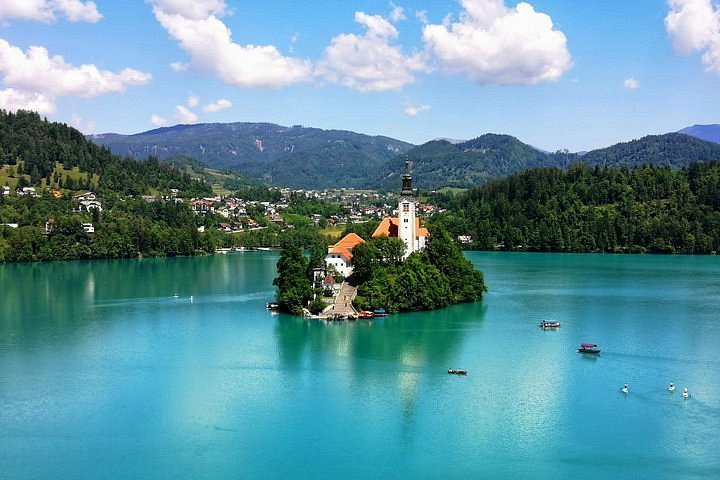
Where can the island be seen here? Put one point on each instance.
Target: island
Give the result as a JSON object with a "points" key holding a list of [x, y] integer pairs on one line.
{"points": [[402, 267]]}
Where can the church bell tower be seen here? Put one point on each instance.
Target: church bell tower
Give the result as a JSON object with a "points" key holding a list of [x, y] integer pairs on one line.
{"points": [[406, 213]]}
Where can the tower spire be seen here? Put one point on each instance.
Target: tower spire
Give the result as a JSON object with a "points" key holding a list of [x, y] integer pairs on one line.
{"points": [[407, 190]]}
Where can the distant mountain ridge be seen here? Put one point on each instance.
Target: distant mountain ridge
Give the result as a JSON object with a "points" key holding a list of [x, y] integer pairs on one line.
{"points": [[711, 133], [295, 156], [302, 157]]}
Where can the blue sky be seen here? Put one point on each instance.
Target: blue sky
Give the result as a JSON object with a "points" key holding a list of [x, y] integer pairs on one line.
{"points": [[555, 73]]}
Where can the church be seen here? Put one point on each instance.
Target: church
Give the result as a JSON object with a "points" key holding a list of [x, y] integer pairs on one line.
{"points": [[406, 226]]}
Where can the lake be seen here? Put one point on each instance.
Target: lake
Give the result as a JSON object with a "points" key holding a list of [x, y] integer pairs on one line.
{"points": [[172, 368]]}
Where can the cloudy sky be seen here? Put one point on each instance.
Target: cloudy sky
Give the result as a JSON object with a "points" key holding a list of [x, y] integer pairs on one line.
{"points": [[555, 73]]}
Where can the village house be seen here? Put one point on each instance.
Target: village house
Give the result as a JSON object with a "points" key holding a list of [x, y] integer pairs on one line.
{"points": [[340, 255], [30, 191], [202, 207]]}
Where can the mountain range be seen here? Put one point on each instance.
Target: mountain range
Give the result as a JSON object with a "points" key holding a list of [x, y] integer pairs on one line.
{"points": [[302, 157], [294, 156], [711, 133]]}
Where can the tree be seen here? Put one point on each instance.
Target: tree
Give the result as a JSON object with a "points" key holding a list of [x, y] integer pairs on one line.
{"points": [[294, 288]]}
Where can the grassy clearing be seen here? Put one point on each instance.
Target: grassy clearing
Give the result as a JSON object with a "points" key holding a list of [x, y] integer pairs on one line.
{"points": [[333, 231], [9, 176]]}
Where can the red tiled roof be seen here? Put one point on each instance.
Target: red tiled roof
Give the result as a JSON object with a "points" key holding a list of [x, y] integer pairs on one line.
{"points": [[345, 245], [389, 227], [351, 240], [341, 251]]}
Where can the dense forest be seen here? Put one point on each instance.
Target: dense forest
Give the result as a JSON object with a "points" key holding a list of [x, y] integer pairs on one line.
{"points": [[592, 209], [38, 147]]}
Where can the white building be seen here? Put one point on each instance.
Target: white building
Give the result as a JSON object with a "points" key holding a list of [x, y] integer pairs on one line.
{"points": [[406, 226], [340, 255]]}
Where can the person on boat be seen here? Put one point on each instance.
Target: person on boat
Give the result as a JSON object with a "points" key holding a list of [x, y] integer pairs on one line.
{"points": [[624, 389], [685, 393], [671, 388]]}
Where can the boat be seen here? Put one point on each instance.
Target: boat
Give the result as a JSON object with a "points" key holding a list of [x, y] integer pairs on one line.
{"points": [[547, 324], [272, 306], [457, 371], [379, 312], [588, 348], [366, 315]]}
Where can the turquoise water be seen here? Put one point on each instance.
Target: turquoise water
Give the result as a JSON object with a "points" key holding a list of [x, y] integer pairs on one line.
{"points": [[105, 373]]}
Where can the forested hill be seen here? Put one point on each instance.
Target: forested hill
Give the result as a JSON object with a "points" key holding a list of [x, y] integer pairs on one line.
{"points": [[42, 153], [289, 156], [584, 209], [439, 163], [674, 150]]}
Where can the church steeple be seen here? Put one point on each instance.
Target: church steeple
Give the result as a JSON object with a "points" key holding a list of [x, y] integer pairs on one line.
{"points": [[407, 190], [407, 224]]}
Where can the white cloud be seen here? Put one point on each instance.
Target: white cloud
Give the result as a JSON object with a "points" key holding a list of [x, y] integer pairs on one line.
{"points": [[397, 14], [193, 101], [192, 9], [37, 79], [208, 41], [184, 115], [85, 127], [492, 44], [631, 83], [179, 66], [694, 26], [12, 100], [158, 121], [221, 104], [47, 10], [412, 110], [77, 11], [370, 62], [37, 71]]}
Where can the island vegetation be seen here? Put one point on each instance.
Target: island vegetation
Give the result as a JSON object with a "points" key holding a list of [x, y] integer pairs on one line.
{"points": [[433, 278]]}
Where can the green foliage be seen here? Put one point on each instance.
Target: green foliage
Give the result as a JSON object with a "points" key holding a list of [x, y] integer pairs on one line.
{"points": [[648, 209], [427, 280], [294, 289], [364, 229], [40, 145]]}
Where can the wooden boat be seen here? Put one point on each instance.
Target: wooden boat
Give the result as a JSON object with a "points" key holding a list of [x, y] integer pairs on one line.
{"points": [[547, 324], [366, 315], [588, 348], [457, 371]]}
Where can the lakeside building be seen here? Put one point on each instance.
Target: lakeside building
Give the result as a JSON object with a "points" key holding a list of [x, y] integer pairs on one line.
{"points": [[406, 226], [340, 255]]}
